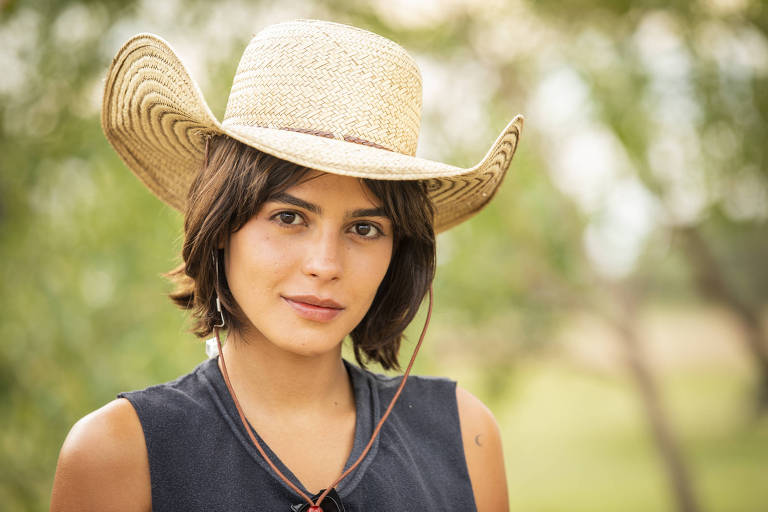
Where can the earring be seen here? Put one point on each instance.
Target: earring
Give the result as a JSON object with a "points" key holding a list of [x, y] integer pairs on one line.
{"points": [[212, 344], [218, 302]]}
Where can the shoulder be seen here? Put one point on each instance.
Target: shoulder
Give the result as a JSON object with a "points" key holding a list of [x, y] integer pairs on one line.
{"points": [[423, 388], [482, 449], [103, 463], [178, 403]]}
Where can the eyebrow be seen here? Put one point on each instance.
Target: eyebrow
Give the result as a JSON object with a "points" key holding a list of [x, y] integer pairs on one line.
{"points": [[295, 201]]}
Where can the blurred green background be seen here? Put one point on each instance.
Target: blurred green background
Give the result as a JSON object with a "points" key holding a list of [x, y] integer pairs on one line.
{"points": [[610, 306]]}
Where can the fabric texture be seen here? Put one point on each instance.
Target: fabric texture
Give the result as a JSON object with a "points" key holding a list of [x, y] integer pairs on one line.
{"points": [[201, 459]]}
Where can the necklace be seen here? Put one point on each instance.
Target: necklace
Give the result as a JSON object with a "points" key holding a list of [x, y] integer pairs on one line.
{"points": [[315, 502]]}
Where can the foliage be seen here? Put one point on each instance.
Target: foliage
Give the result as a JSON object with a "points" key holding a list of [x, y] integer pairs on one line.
{"points": [[645, 121]]}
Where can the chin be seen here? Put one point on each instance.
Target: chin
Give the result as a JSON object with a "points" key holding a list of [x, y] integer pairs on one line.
{"points": [[298, 336], [309, 350], [309, 343]]}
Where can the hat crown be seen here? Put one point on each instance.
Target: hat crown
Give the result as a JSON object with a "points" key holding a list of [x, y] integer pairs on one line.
{"points": [[328, 79]]}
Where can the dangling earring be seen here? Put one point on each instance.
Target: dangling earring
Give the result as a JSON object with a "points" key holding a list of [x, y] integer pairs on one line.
{"points": [[218, 302], [212, 345]]}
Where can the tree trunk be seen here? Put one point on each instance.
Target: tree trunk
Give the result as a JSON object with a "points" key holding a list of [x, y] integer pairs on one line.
{"points": [[712, 282], [622, 316]]}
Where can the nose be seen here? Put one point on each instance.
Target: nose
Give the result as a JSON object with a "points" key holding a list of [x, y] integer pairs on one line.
{"points": [[324, 255]]}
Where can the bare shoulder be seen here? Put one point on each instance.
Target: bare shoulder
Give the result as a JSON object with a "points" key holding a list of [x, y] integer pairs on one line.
{"points": [[103, 464], [483, 452]]}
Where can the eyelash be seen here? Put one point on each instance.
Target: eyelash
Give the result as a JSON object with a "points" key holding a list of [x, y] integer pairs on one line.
{"points": [[277, 218]]}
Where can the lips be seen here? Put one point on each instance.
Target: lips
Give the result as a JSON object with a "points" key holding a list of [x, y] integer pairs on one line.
{"points": [[315, 301], [314, 308]]}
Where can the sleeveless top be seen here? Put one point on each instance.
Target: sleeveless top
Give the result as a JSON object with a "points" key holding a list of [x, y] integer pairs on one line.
{"points": [[201, 458]]}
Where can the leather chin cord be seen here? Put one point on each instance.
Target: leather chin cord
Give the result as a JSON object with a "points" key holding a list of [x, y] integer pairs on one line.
{"points": [[315, 506]]}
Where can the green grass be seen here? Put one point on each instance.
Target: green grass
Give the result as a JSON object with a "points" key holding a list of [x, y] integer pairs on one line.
{"points": [[578, 441]]}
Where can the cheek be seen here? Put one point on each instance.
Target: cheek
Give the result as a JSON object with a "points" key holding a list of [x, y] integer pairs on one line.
{"points": [[269, 256], [383, 264], [263, 250], [255, 261], [370, 271]]}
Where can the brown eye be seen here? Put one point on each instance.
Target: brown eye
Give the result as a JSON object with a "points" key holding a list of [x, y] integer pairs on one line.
{"points": [[366, 230], [288, 217]]}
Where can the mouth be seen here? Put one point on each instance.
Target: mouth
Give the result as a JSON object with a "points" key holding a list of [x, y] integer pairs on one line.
{"points": [[314, 308]]}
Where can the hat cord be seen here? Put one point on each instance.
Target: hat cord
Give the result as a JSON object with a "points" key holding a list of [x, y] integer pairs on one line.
{"points": [[315, 506]]}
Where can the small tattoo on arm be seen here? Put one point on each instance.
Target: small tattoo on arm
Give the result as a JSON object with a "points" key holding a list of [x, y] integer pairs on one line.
{"points": [[477, 440]]}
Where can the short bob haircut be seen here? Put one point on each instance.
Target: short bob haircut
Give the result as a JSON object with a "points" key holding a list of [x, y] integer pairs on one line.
{"points": [[232, 186]]}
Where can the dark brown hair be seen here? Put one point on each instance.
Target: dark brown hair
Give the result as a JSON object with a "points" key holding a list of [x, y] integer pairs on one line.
{"points": [[231, 188]]}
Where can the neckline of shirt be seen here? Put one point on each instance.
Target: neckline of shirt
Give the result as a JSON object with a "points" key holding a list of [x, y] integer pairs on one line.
{"points": [[367, 414]]}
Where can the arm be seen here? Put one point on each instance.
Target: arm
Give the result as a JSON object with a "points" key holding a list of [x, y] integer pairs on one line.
{"points": [[482, 449], [103, 464]]}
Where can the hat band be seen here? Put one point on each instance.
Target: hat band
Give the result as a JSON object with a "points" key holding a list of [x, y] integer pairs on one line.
{"points": [[329, 135]]}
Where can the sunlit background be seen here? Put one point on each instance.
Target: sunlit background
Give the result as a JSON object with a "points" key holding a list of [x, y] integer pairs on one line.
{"points": [[610, 306]]}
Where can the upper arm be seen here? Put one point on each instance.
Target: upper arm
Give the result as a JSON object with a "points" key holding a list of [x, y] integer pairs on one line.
{"points": [[103, 464], [482, 450]]}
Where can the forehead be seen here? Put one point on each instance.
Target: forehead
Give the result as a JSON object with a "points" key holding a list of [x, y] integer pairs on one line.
{"points": [[334, 188]]}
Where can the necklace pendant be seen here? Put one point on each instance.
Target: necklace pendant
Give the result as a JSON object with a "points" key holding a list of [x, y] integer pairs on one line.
{"points": [[331, 503]]}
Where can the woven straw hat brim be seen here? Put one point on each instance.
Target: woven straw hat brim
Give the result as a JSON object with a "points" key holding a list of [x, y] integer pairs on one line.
{"points": [[156, 118]]}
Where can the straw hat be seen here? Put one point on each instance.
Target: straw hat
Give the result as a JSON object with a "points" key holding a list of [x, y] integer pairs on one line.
{"points": [[322, 95]]}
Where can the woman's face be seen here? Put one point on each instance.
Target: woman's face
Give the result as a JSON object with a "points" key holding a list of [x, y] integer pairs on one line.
{"points": [[305, 269]]}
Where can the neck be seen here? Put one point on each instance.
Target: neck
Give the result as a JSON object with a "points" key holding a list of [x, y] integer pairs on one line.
{"points": [[269, 380]]}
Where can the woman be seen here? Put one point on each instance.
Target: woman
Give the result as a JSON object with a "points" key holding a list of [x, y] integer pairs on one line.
{"points": [[307, 219]]}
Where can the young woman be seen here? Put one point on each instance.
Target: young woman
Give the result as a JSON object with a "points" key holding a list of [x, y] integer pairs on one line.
{"points": [[307, 219]]}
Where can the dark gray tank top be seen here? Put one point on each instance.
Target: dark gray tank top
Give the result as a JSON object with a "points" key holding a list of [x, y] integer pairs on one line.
{"points": [[201, 458]]}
